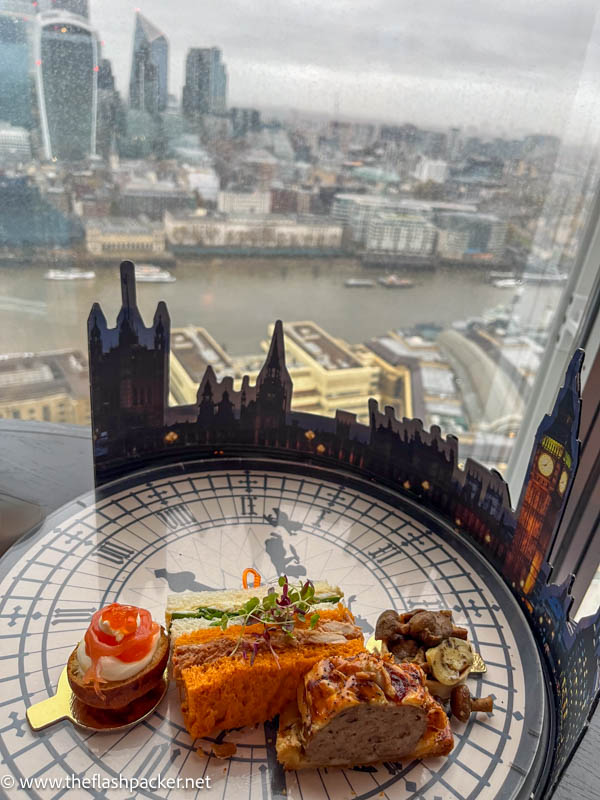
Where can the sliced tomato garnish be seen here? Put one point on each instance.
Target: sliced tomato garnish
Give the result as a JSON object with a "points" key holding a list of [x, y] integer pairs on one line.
{"points": [[135, 644]]}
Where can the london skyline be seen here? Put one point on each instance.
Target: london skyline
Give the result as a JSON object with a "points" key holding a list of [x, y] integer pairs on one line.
{"points": [[520, 73]]}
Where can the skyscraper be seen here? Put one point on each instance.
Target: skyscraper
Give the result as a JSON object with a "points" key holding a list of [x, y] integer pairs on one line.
{"points": [[148, 86], [110, 121], [66, 52], [205, 89], [79, 7], [17, 6], [244, 120], [16, 29], [219, 95]]}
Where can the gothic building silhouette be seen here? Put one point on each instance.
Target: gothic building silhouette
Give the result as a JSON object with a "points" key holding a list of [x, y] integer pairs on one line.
{"points": [[134, 426], [129, 365]]}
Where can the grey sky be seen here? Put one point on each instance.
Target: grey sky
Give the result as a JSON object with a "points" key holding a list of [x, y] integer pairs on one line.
{"points": [[505, 65]]}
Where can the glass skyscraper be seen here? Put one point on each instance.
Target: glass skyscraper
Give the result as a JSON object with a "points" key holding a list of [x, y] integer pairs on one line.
{"points": [[66, 60], [149, 82], [205, 89], [219, 93], [79, 7], [16, 86]]}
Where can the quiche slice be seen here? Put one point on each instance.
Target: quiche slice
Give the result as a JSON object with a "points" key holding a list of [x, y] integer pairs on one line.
{"points": [[362, 710]]}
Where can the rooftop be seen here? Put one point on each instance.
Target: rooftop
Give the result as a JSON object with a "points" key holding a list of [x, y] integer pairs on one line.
{"points": [[141, 186], [321, 347], [151, 32], [438, 381], [123, 225], [259, 156], [465, 216], [396, 350], [400, 216], [195, 349], [8, 130], [397, 202], [257, 220], [25, 376], [244, 191]]}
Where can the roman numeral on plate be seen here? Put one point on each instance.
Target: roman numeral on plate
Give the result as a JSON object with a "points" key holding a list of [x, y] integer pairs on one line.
{"points": [[114, 552], [176, 517]]}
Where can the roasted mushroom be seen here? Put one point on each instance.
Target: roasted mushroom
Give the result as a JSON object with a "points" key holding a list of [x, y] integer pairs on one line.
{"points": [[431, 627], [404, 649], [404, 617], [451, 661], [463, 705], [387, 625]]}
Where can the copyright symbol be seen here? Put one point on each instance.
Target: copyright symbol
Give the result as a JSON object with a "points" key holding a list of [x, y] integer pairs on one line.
{"points": [[7, 781]]}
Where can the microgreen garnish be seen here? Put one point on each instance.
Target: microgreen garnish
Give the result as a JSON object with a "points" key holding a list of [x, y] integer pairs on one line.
{"points": [[215, 615], [276, 611]]}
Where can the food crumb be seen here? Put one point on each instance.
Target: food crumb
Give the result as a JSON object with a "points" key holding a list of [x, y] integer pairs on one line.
{"points": [[224, 750]]}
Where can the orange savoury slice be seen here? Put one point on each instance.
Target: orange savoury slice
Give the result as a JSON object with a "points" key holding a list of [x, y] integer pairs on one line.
{"points": [[135, 644]]}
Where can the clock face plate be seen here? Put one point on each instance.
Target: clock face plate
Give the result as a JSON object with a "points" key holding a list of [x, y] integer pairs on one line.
{"points": [[197, 526]]}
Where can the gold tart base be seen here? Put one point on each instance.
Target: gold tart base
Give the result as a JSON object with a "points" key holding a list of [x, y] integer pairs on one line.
{"points": [[65, 705]]}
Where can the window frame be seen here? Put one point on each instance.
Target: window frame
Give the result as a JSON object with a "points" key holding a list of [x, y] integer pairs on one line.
{"points": [[576, 324]]}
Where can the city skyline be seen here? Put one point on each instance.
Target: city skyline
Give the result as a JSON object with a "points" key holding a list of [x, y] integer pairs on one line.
{"points": [[489, 73]]}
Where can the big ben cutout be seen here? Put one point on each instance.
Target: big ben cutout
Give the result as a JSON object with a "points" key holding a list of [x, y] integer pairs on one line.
{"points": [[547, 484]]}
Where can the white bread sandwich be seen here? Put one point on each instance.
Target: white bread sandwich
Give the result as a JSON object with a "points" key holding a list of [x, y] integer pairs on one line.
{"points": [[238, 656]]}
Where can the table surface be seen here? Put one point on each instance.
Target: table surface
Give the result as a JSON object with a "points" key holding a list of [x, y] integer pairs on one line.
{"points": [[44, 466]]}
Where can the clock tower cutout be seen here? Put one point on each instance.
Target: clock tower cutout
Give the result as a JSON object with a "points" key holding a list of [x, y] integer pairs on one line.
{"points": [[546, 486]]}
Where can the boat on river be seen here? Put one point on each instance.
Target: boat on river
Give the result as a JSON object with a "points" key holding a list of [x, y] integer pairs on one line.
{"points": [[69, 274], [359, 283], [150, 273], [507, 283], [394, 282]]}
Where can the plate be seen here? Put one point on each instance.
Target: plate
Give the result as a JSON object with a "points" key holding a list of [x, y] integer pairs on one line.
{"points": [[197, 526]]}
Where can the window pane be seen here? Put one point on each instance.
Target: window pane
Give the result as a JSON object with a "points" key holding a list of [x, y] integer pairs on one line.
{"points": [[407, 189]]}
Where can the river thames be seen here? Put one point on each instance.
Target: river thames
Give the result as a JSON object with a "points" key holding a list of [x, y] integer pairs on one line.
{"points": [[236, 299]]}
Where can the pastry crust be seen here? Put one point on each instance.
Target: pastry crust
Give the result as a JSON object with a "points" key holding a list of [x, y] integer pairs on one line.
{"points": [[118, 694], [362, 710]]}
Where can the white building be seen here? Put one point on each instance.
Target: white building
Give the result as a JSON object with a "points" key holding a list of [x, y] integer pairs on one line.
{"points": [[205, 181], [335, 377], [356, 210], [269, 232], [431, 169], [125, 237], [244, 202], [404, 234], [15, 144]]}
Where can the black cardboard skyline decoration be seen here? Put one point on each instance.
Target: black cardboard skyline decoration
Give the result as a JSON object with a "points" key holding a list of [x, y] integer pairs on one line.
{"points": [[134, 427]]}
